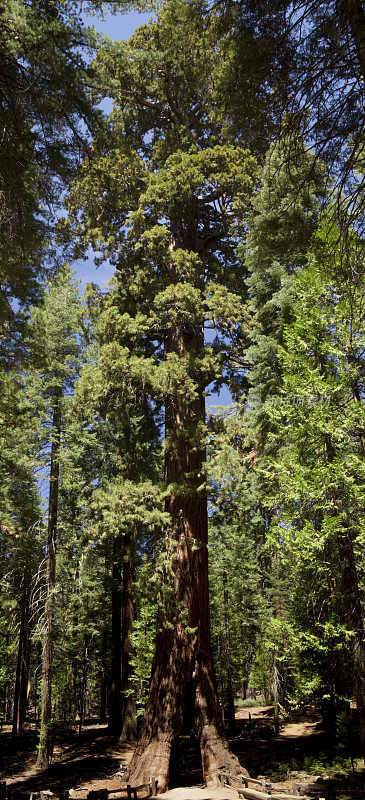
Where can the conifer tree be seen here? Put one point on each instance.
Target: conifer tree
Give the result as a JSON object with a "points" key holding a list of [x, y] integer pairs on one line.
{"points": [[126, 480], [322, 458], [20, 511], [184, 202], [236, 540], [284, 219], [56, 362]]}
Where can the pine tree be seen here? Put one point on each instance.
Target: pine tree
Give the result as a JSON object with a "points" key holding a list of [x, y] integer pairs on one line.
{"points": [[126, 479], [284, 219], [322, 457], [237, 597], [20, 549], [56, 362]]}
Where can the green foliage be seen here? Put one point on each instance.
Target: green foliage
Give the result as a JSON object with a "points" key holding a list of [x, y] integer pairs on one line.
{"points": [[238, 606], [215, 283], [144, 632]]}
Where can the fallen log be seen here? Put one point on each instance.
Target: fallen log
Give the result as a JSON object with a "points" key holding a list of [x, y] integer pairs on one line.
{"points": [[253, 794]]}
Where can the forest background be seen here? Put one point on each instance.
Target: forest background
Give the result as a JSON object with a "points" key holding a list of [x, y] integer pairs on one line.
{"points": [[212, 163]]}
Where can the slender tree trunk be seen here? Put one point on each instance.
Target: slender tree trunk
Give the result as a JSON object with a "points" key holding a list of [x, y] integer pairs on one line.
{"points": [[45, 739], [276, 693], [231, 719], [220, 679], [115, 691], [104, 677], [24, 676], [83, 688], [129, 722], [183, 655], [21, 675], [103, 696]]}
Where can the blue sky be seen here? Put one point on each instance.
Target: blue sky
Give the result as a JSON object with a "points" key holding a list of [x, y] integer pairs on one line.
{"points": [[117, 26]]}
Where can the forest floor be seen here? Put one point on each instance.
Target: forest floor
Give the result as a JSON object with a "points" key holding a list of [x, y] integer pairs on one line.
{"points": [[95, 760]]}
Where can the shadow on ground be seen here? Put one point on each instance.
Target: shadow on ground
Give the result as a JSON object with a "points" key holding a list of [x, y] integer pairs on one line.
{"points": [[91, 756], [298, 739]]}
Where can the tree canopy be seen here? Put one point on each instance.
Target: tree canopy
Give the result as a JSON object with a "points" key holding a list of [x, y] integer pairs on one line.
{"points": [[162, 561]]}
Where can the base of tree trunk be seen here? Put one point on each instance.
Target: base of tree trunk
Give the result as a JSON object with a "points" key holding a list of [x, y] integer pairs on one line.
{"points": [[152, 759], [129, 726], [153, 753], [214, 747], [43, 758]]}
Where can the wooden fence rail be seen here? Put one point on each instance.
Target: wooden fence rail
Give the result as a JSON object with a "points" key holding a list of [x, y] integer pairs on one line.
{"points": [[253, 794], [324, 790]]}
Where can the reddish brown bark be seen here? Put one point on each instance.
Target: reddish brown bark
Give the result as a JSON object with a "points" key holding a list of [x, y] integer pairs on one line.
{"points": [[183, 653]]}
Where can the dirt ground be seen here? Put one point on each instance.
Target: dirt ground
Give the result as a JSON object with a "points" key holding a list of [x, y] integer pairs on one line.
{"points": [[95, 760]]}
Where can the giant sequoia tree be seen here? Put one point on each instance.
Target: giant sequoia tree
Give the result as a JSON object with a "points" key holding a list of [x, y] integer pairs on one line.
{"points": [[181, 191]]}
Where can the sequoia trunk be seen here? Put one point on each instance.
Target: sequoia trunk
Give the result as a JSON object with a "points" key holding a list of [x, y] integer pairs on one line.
{"points": [[182, 665]]}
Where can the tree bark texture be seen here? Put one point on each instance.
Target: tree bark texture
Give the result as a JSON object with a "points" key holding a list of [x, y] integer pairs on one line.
{"points": [[45, 739], [183, 657], [129, 721], [22, 667], [115, 690]]}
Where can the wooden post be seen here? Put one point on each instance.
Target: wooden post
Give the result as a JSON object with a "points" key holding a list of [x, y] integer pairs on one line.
{"points": [[153, 786], [129, 792]]}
